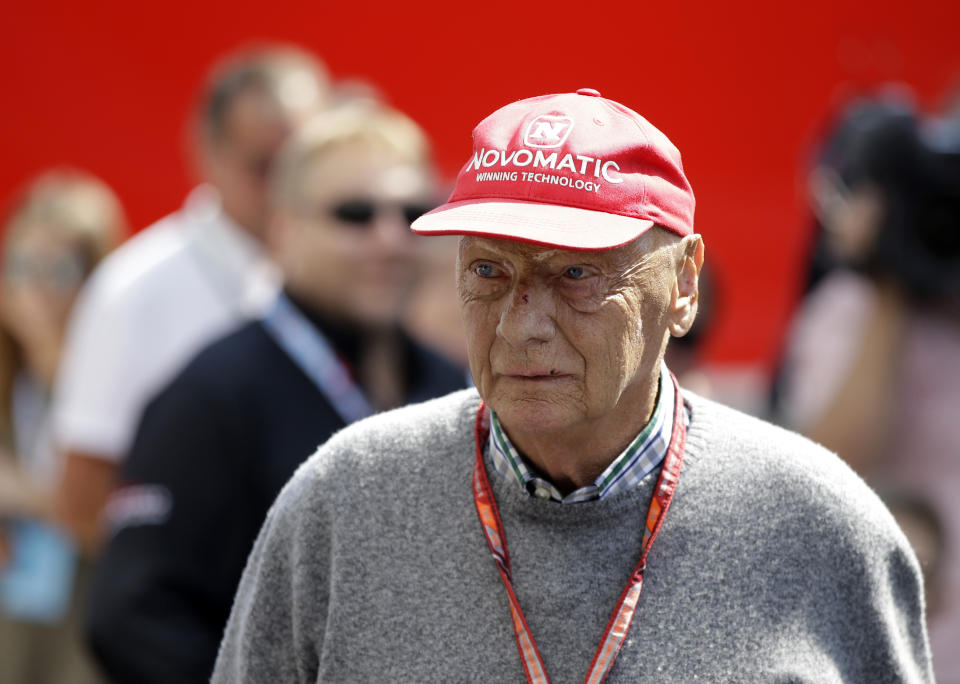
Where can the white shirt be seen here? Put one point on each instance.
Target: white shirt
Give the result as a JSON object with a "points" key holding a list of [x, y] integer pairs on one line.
{"points": [[145, 312]]}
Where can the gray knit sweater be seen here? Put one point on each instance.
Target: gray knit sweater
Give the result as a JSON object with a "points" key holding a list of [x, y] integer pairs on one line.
{"points": [[775, 564]]}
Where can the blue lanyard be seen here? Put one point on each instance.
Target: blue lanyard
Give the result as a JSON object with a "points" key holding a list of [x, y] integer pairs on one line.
{"points": [[311, 351]]}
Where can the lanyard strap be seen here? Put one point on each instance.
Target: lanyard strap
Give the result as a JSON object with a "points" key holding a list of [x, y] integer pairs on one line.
{"points": [[311, 351], [619, 623]]}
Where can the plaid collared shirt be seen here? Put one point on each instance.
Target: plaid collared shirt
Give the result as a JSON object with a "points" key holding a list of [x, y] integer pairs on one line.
{"points": [[643, 455]]}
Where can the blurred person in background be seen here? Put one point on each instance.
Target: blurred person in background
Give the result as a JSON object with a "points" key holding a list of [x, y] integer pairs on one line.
{"points": [[216, 446], [433, 316], [873, 362], [58, 230], [181, 282]]}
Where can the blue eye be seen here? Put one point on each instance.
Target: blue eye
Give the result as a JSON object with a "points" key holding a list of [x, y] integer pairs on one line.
{"points": [[575, 272], [484, 270]]}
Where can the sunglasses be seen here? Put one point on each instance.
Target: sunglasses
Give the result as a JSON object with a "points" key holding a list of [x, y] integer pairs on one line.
{"points": [[61, 274], [362, 212]]}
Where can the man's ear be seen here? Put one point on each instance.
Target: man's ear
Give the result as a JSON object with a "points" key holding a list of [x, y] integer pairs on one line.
{"points": [[686, 288]]}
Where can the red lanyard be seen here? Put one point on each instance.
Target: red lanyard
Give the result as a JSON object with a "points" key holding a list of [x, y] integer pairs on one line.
{"points": [[622, 616]]}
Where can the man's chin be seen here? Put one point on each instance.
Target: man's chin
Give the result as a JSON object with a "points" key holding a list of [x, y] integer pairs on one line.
{"points": [[376, 311], [533, 415]]}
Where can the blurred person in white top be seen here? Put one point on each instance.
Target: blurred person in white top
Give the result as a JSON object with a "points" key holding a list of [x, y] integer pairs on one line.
{"points": [[181, 282], [60, 226]]}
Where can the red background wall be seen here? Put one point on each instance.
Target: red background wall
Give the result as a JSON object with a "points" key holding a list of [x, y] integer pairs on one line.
{"points": [[740, 89]]}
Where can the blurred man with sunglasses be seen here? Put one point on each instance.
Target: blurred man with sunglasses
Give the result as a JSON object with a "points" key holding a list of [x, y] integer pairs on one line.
{"points": [[181, 282], [216, 446]]}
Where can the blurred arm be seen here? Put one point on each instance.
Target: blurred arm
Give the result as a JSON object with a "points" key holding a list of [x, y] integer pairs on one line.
{"points": [[97, 398], [855, 422], [18, 494], [83, 490]]}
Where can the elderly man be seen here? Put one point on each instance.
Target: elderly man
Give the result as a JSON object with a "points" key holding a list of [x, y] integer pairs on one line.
{"points": [[578, 515]]}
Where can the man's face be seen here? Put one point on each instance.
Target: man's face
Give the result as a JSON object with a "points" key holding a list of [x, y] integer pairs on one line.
{"points": [[562, 339], [347, 247], [238, 162]]}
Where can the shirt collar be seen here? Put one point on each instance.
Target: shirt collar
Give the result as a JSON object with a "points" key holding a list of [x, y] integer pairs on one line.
{"points": [[641, 457], [233, 257]]}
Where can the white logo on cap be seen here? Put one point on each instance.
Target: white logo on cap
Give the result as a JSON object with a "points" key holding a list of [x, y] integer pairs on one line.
{"points": [[548, 130]]}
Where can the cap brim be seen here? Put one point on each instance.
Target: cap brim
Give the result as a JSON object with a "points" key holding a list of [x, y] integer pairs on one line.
{"points": [[544, 224]]}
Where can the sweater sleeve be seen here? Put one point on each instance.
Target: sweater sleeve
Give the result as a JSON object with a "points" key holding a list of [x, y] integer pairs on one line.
{"points": [[862, 585], [276, 625], [881, 592], [827, 586], [908, 636], [851, 574]]}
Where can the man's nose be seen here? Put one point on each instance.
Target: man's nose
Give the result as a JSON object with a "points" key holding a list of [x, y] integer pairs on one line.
{"points": [[392, 231], [527, 317]]}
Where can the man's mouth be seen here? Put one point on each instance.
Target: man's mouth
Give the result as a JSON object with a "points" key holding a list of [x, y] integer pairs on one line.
{"points": [[536, 374]]}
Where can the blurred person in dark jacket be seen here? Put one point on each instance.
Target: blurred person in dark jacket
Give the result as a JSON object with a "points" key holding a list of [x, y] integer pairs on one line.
{"points": [[64, 223], [216, 446], [873, 363]]}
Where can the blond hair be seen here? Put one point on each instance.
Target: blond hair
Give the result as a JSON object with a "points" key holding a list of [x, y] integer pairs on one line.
{"points": [[75, 205], [364, 122]]}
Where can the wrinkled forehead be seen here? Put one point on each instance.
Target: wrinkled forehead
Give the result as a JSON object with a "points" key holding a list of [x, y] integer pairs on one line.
{"points": [[523, 250]]}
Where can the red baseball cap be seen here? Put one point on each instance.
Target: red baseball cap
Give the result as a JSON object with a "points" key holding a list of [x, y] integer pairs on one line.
{"points": [[575, 170]]}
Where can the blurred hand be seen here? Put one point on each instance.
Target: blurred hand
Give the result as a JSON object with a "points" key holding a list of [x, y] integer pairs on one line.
{"points": [[37, 325]]}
